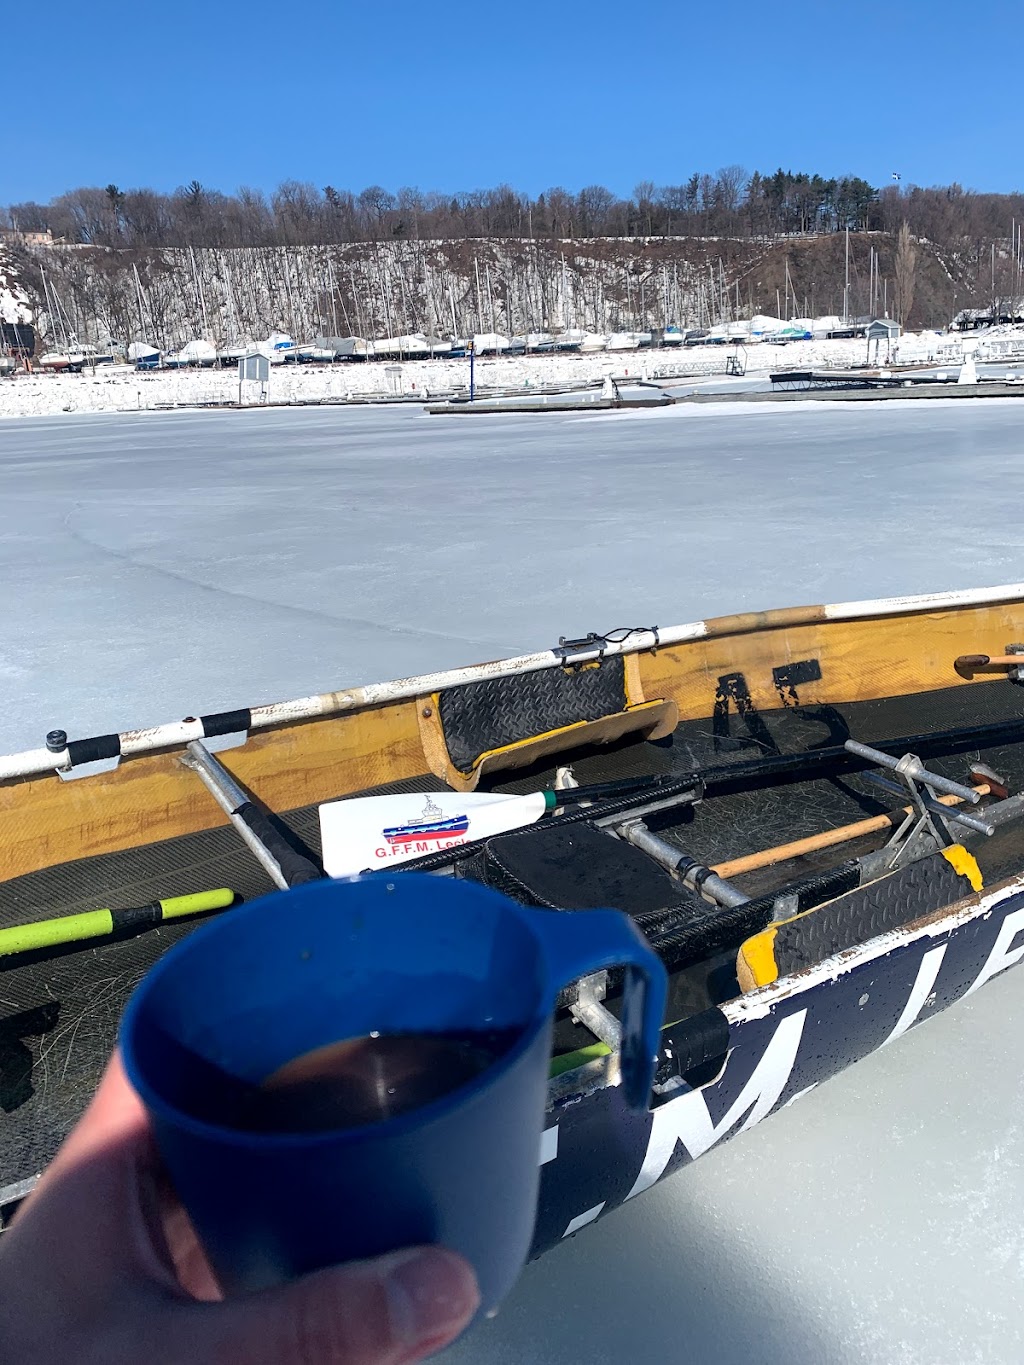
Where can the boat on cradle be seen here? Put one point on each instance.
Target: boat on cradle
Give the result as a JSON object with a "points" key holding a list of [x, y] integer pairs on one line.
{"points": [[529, 343], [346, 348], [812, 814], [72, 360], [278, 348], [412, 347], [143, 356], [564, 343], [490, 343], [198, 354], [628, 341], [593, 341], [314, 355], [229, 356], [56, 362]]}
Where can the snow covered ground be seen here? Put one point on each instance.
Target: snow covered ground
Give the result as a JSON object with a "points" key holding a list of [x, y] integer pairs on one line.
{"points": [[167, 564], [122, 389]]}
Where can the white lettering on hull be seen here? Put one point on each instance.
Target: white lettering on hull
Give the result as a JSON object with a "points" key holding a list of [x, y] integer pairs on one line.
{"points": [[582, 1219], [927, 972], [1001, 956], [688, 1120]]}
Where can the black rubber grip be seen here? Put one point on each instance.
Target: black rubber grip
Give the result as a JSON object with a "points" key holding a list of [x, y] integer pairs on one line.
{"points": [[137, 916], [692, 871], [89, 750], [295, 868], [226, 722], [692, 1043]]}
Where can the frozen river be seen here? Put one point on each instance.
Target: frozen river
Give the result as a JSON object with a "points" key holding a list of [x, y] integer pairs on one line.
{"points": [[171, 564]]}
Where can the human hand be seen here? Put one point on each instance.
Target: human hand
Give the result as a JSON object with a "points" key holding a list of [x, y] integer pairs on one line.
{"points": [[102, 1265]]}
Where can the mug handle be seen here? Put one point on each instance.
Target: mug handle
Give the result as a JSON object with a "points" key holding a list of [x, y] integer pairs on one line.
{"points": [[581, 942]]}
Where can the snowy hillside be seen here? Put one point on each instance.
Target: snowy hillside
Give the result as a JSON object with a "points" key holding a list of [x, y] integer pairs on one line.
{"points": [[14, 297], [373, 289]]}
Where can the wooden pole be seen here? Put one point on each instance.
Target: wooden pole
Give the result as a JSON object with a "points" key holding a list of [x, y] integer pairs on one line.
{"points": [[967, 663], [750, 862]]}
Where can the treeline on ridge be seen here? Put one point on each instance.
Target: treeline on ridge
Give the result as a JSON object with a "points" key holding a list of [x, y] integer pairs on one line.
{"points": [[730, 203]]}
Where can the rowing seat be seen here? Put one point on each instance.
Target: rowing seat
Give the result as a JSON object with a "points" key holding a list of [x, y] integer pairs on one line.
{"points": [[511, 722], [578, 867]]}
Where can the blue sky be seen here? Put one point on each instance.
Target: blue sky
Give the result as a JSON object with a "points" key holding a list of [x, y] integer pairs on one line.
{"points": [[464, 96]]}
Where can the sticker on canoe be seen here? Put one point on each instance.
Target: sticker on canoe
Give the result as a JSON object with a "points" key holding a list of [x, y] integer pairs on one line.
{"points": [[367, 832]]}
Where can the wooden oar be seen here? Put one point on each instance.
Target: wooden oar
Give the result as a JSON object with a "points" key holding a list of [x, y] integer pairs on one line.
{"points": [[966, 664], [750, 862]]}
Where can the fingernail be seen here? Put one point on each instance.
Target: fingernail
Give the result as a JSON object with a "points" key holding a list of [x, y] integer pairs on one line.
{"points": [[432, 1294]]}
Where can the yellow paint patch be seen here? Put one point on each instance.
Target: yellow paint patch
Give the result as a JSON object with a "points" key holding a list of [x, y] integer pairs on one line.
{"points": [[965, 863], [755, 964]]}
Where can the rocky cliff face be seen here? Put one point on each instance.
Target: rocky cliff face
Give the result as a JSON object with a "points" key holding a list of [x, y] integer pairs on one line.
{"points": [[442, 288], [169, 296]]}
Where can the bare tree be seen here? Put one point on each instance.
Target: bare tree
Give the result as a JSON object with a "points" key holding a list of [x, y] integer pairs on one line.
{"points": [[905, 268], [643, 198]]}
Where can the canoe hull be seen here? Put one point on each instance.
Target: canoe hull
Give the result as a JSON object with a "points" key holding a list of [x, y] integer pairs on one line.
{"points": [[118, 820], [783, 1041]]}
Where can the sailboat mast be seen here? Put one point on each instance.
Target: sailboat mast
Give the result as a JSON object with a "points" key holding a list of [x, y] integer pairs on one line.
{"points": [[138, 300], [334, 295]]}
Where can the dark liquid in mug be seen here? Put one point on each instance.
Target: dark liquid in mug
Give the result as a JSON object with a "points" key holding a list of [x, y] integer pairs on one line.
{"points": [[358, 1081]]}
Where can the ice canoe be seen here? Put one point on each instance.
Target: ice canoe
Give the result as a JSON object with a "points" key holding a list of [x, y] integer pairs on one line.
{"points": [[811, 813]]}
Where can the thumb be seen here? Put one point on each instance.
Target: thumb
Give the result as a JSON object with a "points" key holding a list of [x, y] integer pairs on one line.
{"points": [[395, 1309]]}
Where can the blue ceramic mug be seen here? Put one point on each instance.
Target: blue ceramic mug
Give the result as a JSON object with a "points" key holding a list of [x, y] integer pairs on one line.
{"points": [[301, 969]]}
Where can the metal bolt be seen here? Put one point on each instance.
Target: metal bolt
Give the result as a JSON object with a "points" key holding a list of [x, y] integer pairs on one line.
{"points": [[57, 741]]}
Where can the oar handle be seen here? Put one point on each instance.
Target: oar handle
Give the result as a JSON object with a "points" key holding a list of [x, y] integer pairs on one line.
{"points": [[65, 929], [967, 663]]}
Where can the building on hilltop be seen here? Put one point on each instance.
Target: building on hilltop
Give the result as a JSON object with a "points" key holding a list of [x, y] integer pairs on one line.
{"points": [[28, 238]]}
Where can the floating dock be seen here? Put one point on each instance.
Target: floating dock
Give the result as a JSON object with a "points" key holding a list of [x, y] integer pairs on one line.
{"points": [[858, 379], [572, 402], [912, 393]]}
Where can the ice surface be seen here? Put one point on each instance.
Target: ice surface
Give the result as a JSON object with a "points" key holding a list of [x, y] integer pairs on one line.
{"points": [[170, 564], [162, 565]]}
